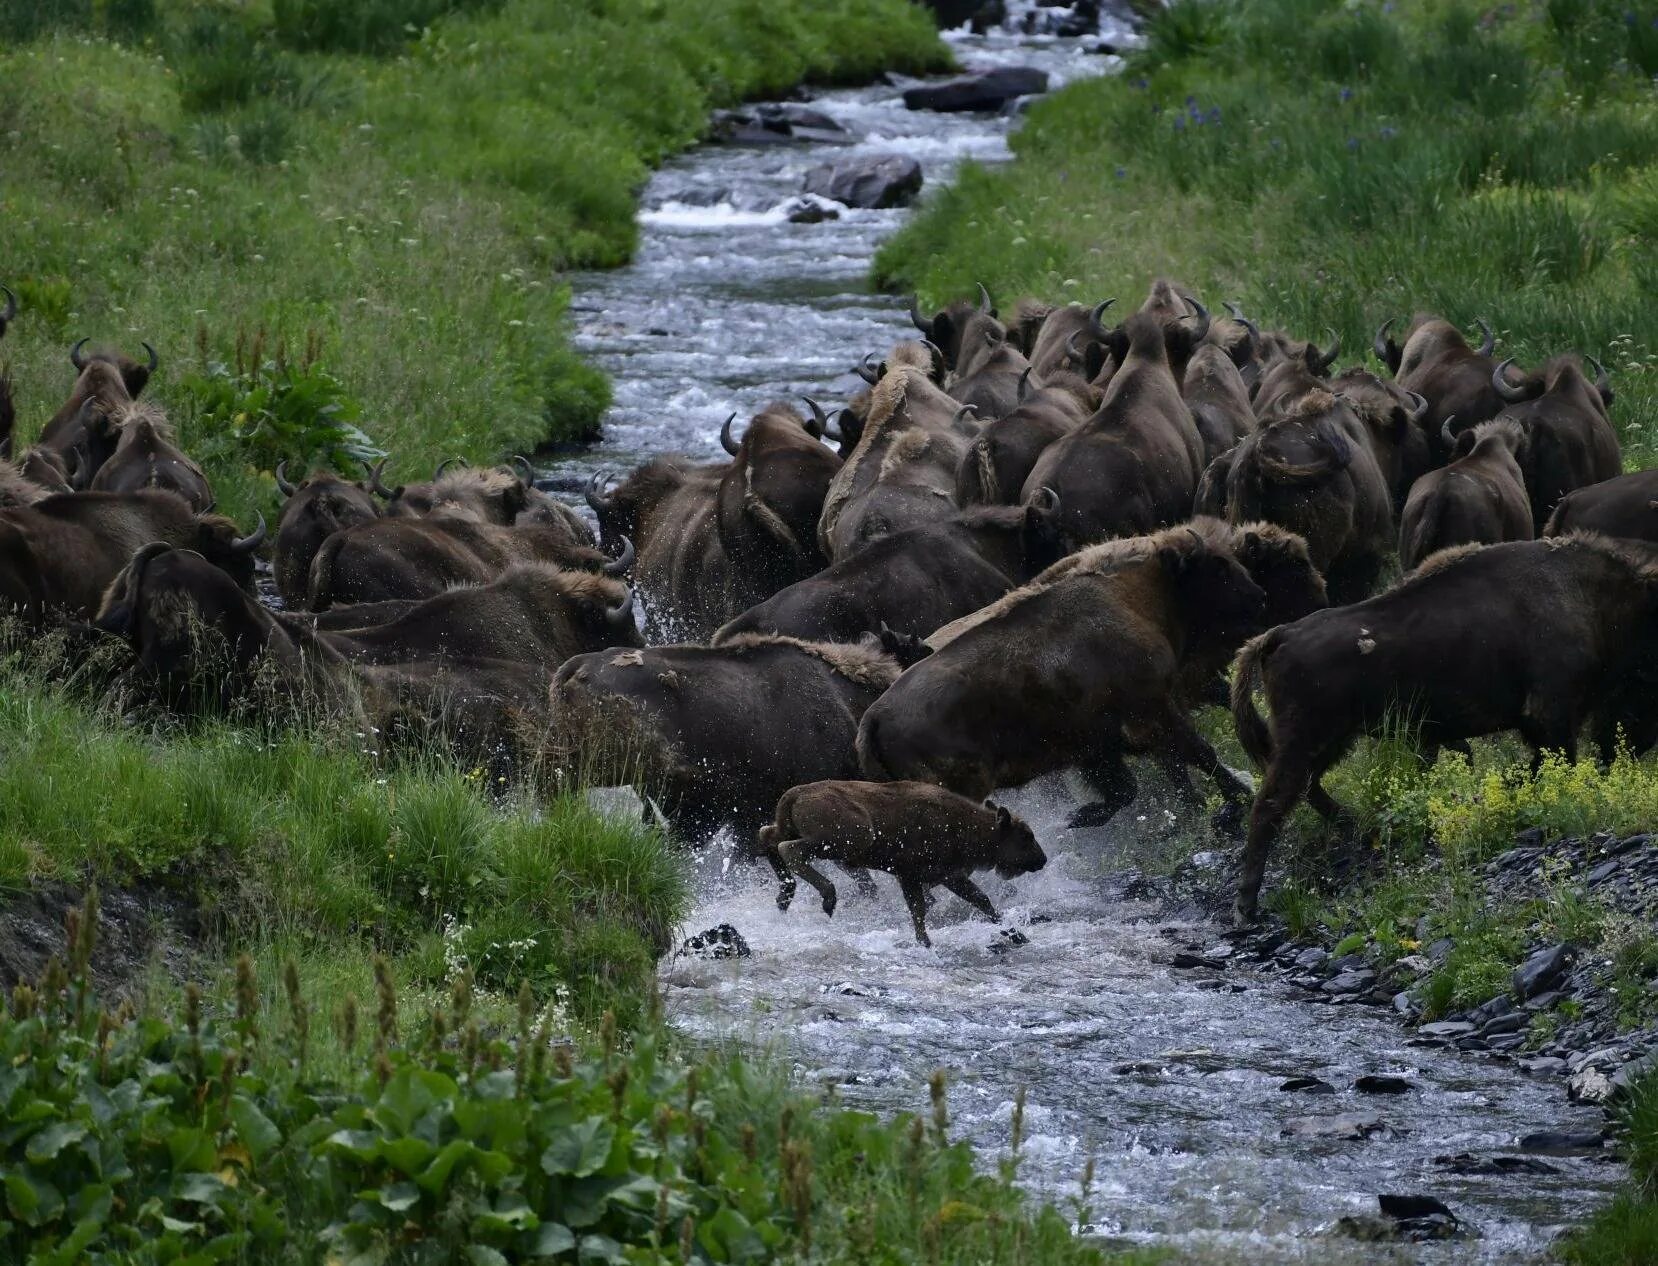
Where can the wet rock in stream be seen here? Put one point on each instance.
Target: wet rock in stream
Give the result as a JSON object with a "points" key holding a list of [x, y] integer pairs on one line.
{"points": [[724, 941]]}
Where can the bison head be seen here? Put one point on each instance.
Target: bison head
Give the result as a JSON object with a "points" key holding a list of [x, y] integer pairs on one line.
{"points": [[1016, 849], [1277, 560], [1217, 597], [134, 376], [950, 328]]}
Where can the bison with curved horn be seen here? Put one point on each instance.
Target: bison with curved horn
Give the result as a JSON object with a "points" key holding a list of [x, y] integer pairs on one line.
{"points": [[1437, 362], [1479, 499], [958, 326], [321, 504], [147, 455]]}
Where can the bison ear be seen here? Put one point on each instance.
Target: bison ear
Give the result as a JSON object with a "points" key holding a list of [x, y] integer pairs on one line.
{"points": [[1173, 560], [1464, 444], [1003, 817]]}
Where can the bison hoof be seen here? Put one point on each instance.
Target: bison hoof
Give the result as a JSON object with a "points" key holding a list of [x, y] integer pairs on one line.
{"points": [[785, 896], [1096, 814], [829, 904], [1244, 913], [1229, 819]]}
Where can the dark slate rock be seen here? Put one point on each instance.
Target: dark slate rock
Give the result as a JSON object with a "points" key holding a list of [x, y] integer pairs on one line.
{"points": [[1382, 1084], [1220, 986], [1562, 1143], [1446, 1028], [1193, 962], [724, 941], [1600, 874], [1470, 1163], [1312, 958], [1307, 1086], [986, 92], [807, 209], [1513, 1022], [1543, 969], [876, 181], [1350, 982], [1490, 1009], [1344, 1125]]}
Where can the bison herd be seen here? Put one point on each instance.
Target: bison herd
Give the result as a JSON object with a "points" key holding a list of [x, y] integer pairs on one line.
{"points": [[1025, 546]]}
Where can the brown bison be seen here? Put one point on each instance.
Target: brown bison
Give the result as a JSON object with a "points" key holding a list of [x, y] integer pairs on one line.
{"points": [[1530, 635], [1101, 656], [958, 327], [718, 734], [61, 553], [1216, 394], [1394, 419], [385, 559], [1310, 469], [921, 834], [994, 470], [914, 581], [147, 455], [1479, 499], [988, 371], [8, 314], [495, 494], [1133, 467], [105, 383], [1057, 339], [1437, 363], [903, 471], [771, 497], [1570, 441], [1626, 506], [670, 508], [320, 505], [17, 489]]}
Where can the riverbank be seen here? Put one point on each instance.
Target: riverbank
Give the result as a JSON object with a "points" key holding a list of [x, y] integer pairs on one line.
{"points": [[401, 200]]}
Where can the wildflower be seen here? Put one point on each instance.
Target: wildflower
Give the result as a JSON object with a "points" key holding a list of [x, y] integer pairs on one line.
{"points": [[1388, 133], [1122, 173], [1179, 123], [1214, 114], [1346, 94], [1352, 142]]}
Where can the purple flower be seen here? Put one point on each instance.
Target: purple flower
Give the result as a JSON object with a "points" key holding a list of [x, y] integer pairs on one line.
{"points": [[1180, 123], [1140, 83], [1190, 102], [1346, 94], [1214, 114], [1122, 173], [1352, 142], [1628, 18], [1388, 133]]}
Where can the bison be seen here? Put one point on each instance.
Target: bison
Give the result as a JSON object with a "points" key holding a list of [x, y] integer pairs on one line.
{"points": [[319, 505], [995, 468], [1437, 363], [956, 327], [1532, 636], [718, 734], [903, 471], [1570, 442], [105, 383], [1394, 419], [1479, 499], [1215, 392], [921, 834], [147, 455], [8, 314], [1626, 506], [61, 553], [914, 581], [1099, 657]]}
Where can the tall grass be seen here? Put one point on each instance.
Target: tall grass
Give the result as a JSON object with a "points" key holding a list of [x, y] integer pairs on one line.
{"points": [[1331, 164], [224, 165]]}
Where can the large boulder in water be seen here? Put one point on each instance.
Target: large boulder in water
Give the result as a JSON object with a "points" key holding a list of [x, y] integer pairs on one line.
{"points": [[984, 92], [880, 180]]}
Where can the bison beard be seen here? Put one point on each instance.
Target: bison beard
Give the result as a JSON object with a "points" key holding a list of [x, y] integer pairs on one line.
{"points": [[1532, 636]]}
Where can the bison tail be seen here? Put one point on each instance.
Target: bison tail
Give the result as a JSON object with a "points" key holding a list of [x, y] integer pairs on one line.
{"points": [[1557, 524], [1420, 535], [1252, 728], [869, 749], [320, 589], [990, 490]]}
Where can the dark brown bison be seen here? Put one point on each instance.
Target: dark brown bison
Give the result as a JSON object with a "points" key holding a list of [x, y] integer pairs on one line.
{"points": [[386, 559], [105, 383], [8, 413], [320, 505], [1394, 419], [497, 494], [1479, 499], [8, 313], [147, 455], [988, 371], [994, 470], [206, 646], [1133, 467], [1310, 469], [914, 581], [903, 471], [1530, 636], [957, 327], [1101, 656], [1057, 339], [921, 834], [770, 499], [1626, 506], [670, 508], [718, 734], [1216, 394], [61, 553], [17, 489], [1570, 441], [1437, 363]]}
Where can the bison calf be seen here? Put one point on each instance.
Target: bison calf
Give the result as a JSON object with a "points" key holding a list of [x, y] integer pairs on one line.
{"points": [[920, 834], [1479, 499]]}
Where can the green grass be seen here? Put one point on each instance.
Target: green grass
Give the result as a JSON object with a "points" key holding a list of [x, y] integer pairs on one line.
{"points": [[1625, 1232], [183, 164], [1332, 164]]}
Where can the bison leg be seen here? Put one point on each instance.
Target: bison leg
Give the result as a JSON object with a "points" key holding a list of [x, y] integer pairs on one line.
{"points": [[1191, 747], [1286, 780], [865, 881], [915, 897], [792, 852], [1114, 782], [964, 887], [767, 844]]}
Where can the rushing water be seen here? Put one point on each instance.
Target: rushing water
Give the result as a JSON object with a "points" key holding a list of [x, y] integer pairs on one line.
{"points": [[1171, 1086]]}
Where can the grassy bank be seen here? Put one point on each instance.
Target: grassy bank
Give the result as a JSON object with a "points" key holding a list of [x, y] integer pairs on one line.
{"points": [[402, 181], [1333, 164]]}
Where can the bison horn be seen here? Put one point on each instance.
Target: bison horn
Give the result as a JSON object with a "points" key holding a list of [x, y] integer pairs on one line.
{"points": [[985, 306], [1488, 343], [1446, 435], [1200, 314], [1326, 359], [940, 365], [836, 431], [11, 305], [1379, 343], [726, 442], [523, 464], [1507, 390], [597, 503], [820, 419], [155, 361], [1096, 319], [920, 322], [72, 464], [75, 357], [618, 566], [962, 413], [1046, 501], [866, 372], [1241, 319], [1024, 385], [1420, 411], [621, 616], [282, 478], [443, 466], [375, 473], [1603, 379], [247, 544], [1072, 350]]}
